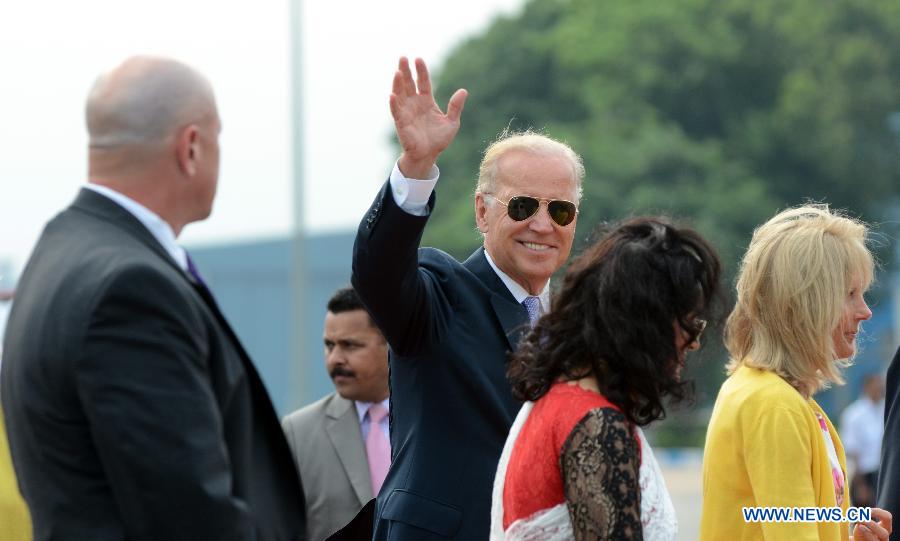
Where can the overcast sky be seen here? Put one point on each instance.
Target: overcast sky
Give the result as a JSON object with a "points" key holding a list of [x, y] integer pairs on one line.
{"points": [[50, 53]]}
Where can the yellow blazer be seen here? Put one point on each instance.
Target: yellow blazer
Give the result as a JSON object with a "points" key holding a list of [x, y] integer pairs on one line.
{"points": [[15, 522], [764, 447]]}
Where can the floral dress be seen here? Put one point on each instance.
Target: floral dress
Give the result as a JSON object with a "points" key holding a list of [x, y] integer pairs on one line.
{"points": [[837, 474]]}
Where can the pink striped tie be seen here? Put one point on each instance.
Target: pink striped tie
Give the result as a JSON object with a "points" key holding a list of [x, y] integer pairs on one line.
{"points": [[378, 448]]}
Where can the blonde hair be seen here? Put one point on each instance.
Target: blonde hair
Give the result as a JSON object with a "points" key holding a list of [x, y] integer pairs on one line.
{"points": [[791, 290], [529, 141]]}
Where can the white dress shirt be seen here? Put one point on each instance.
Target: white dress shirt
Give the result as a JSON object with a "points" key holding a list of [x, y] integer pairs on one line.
{"points": [[158, 227], [362, 408], [862, 428], [412, 196], [517, 290]]}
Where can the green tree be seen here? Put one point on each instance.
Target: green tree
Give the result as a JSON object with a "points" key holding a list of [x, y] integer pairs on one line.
{"points": [[719, 112]]}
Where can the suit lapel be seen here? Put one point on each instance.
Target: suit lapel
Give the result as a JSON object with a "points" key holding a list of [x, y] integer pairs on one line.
{"points": [[106, 209], [512, 316], [342, 426], [111, 212]]}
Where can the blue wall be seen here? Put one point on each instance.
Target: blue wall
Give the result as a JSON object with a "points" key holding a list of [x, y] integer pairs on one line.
{"points": [[252, 284]]}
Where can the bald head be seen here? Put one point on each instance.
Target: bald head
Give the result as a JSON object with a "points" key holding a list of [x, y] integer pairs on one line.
{"points": [[154, 137], [144, 101]]}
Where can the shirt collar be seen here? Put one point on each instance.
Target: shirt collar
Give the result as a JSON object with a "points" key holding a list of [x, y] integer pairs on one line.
{"points": [[517, 290], [158, 227], [363, 407]]}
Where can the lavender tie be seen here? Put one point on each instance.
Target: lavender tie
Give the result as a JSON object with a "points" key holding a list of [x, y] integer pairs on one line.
{"points": [[378, 448], [533, 305], [192, 270]]}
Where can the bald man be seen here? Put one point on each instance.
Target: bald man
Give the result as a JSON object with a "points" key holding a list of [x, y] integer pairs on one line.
{"points": [[132, 410]]}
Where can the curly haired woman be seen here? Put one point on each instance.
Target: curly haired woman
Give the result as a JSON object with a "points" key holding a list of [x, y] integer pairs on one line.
{"points": [[592, 371]]}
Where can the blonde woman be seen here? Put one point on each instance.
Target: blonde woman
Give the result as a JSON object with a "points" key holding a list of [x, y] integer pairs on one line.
{"points": [[769, 444]]}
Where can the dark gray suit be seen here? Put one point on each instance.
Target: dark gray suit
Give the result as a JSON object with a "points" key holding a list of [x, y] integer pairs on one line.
{"points": [[450, 326], [888, 487], [133, 411], [331, 456]]}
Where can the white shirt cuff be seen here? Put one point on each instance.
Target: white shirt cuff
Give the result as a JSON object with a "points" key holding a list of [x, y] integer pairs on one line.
{"points": [[410, 194]]}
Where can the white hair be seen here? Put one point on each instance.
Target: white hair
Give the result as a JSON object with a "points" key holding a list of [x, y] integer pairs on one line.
{"points": [[529, 141]]}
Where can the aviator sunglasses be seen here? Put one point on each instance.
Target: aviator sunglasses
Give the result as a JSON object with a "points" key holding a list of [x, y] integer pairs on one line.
{"points": [[522, 207]]}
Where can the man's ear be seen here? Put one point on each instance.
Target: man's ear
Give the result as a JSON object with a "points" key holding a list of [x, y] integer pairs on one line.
{"points": [[481, 209], [187, 148]]}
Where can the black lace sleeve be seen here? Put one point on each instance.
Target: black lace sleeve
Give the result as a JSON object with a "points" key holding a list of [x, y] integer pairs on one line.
{"points": [[599, 464]]}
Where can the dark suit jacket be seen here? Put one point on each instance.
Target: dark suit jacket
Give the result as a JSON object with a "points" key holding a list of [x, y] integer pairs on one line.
{"points": [[887, 494], [328, 447], [133, 411], [449, 326]]}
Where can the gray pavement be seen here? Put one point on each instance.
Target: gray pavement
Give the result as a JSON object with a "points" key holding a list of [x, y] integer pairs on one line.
{"points": [[682, 469]]}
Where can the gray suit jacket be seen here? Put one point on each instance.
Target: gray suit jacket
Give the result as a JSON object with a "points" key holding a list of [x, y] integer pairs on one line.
{"points": [[133, 411], [328, 447]]}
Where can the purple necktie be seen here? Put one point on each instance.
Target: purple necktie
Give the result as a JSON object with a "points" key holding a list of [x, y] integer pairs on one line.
{"points": [[533, 305], [378, 448], [192, 270], [199, 282]]}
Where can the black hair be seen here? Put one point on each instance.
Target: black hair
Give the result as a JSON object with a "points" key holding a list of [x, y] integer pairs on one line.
{"points": [[614, 318], [345, 300]]}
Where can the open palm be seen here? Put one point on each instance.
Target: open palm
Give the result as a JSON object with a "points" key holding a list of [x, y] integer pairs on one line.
{"points": [[423, 129]]}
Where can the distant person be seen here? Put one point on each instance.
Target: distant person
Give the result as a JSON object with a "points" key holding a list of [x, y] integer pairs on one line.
{"points": [[15, 523], [799, 308], [450, 324], [133, 411], [341, 443], [862, 427], [594, 370]]}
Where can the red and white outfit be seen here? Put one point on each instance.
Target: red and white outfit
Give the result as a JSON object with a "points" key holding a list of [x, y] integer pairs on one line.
{"points": [[562, 455]]}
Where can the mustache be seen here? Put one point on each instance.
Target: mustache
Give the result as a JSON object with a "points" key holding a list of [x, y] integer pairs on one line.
{"points": [[341, 371]]}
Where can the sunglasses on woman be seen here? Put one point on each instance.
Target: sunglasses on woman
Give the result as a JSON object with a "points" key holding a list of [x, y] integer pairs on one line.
{"points": [[522, 207]]}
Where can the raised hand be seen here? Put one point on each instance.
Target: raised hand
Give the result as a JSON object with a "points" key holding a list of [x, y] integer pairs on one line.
{"points": [[423, 129]]}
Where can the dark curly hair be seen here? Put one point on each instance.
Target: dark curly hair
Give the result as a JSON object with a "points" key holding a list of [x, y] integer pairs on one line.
{"points": [[614, 317]]}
